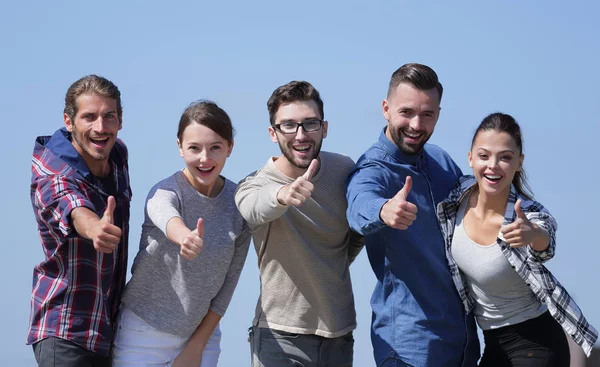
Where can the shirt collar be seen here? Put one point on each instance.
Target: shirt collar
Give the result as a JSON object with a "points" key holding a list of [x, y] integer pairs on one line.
{"points": [[467, 183], [61, 146]]}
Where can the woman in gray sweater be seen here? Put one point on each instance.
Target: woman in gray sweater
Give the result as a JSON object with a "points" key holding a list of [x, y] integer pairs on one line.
{"points": [[192, 249]]}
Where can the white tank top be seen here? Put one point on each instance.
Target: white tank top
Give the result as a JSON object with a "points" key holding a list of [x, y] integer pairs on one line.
{"points": [[501, 296]]}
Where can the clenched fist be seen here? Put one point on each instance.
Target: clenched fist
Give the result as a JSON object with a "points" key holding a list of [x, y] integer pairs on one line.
{"points": [[192, 243], [397, 212], [301, 189]]}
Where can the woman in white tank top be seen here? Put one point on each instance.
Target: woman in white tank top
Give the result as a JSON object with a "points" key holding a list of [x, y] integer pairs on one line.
{"points": [[497, 239]]}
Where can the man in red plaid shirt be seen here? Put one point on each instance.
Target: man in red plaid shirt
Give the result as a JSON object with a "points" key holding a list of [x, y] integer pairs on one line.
{"points": [[80, 194]]}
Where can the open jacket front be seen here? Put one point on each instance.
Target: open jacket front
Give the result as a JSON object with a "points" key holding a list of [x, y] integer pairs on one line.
{"points": [[526, 261]]}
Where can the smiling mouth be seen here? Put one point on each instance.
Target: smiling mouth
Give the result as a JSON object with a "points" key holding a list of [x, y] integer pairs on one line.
{"points": [[493, 178], [412, 136], [205, 170], [301, 148], [100, 141]]}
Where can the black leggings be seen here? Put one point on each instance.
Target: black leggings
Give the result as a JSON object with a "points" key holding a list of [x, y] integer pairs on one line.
{"points": [[538, 342]]}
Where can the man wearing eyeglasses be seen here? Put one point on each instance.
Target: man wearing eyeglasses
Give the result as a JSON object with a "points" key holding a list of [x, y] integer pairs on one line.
{"points": [[296, 208]]}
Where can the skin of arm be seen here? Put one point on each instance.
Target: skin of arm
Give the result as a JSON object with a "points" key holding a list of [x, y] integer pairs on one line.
{"points": [[524, 232], [191, 355], [542, 240]]}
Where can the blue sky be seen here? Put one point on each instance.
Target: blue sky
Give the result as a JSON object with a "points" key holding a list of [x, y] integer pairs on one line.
{"points": [[536, 62]]}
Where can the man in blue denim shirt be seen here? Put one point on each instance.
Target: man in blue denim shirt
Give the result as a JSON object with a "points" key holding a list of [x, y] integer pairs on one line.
{"points": [[393, 192]]}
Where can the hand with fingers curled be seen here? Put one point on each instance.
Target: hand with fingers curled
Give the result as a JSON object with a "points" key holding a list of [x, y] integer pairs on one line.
{"points": [[105, 235], [397, 212], [192, 244], [297, 192], [523, 232]]}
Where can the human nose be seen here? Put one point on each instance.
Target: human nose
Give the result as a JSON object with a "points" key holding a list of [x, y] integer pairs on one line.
{"points": [[493, 162], [416, 123], [100, 124], [203, 155], [300, 132]]}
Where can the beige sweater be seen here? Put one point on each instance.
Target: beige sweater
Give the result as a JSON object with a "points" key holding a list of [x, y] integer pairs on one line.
{"points": [[304, 252]]}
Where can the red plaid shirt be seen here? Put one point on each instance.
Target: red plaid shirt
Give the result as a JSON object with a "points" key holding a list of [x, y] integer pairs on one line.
{"points": [[76, 289]]}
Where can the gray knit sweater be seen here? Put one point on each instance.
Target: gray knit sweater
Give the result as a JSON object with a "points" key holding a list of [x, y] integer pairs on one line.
{"points": [[173, 294]]}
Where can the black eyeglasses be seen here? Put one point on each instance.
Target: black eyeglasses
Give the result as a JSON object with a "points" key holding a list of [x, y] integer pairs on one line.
{"points": [[291, 127]]}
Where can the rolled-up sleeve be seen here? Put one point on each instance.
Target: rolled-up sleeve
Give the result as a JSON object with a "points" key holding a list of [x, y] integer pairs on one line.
{"points": [[55, 197], [545, 220]]}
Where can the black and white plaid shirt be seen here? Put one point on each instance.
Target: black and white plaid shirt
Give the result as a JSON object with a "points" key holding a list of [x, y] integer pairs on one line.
{"points": [[526, 261]]}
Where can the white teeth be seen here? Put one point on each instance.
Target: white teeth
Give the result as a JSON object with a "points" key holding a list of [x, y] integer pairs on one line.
{"points": [[493, 177], [302, 148], [205, 169], [412, 136]]}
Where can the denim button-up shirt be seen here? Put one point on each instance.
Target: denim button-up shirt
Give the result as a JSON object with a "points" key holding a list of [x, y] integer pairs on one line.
{"points": [[417, 313]]}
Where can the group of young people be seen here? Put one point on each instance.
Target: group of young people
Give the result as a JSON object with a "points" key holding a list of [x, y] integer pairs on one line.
{"points": [[447, 250]]}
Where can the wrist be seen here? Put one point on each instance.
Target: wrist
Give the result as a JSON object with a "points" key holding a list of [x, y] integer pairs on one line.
{"points": [[542, 240], [279, 196]]}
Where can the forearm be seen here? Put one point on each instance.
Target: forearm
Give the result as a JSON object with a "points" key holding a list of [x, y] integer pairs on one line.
{"points": [[363, 211], [177, 231], [200, 337], [84, 220], [259, 205], [542, 241]]}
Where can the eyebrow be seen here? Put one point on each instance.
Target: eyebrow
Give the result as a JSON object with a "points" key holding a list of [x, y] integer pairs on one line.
{"points": [[85, 112], [306, 119], [502, 151], [211, 143], [406, 108]]}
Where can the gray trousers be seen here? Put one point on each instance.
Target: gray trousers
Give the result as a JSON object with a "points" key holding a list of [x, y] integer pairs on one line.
{"points": [[274, 348], [57, 352]]}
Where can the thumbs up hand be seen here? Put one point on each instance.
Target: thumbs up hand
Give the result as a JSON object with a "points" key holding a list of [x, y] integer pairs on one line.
{"points": [[301, 189], [521, 232], [104, 234], [398, 212], [192, 244]]}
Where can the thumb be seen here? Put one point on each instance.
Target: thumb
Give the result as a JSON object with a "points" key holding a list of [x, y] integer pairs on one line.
{"points": [[312, 169], [406, 189], [518, 210], [200, 227], [110, 208]]}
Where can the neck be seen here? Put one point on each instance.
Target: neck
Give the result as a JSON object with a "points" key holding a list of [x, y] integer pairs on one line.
{"points": [[209, 190], [489, 205], [99, 168]]}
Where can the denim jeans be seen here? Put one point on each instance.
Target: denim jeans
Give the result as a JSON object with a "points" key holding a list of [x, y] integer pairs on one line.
{"points": [[274, 348], [57, 352], [139, 344]]}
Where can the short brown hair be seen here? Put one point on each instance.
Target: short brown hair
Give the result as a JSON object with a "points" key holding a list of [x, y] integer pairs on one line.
{"points": [[293, 91], [91, 84], [208, 114], [419, 76]]}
